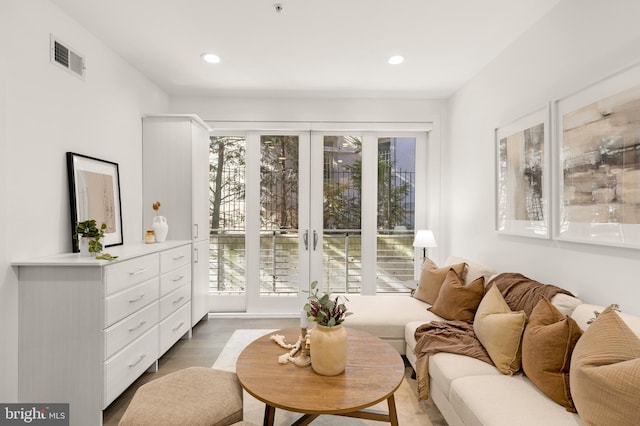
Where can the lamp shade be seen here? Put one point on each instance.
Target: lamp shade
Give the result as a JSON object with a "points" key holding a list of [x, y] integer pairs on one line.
{"points": [[424, 238]]}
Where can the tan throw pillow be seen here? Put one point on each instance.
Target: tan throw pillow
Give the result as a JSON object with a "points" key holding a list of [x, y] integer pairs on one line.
{"points": [[500, 331], [457, 301], [431, 279], [547, 345], [605, 373]]}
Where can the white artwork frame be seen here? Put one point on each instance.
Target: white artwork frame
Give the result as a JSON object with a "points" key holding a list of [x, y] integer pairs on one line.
{"points": [[522, 173], [597, 190]]}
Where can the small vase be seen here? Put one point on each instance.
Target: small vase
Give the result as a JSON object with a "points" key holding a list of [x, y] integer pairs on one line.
{"points": [[160, 228], [328, 349], [83, 245]]}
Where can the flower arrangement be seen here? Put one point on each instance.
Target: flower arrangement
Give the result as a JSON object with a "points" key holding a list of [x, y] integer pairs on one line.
{"points": [[324, 310], [156, 207]]}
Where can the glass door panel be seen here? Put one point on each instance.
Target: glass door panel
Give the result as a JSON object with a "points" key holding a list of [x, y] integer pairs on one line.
{"points": [[396, 213], [342, 187], [227, 208], [279, 233]]}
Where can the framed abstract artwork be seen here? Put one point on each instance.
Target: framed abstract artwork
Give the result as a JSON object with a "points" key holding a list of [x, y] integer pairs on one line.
{"points": [[598, 188], [522, 176], [94, 193]]}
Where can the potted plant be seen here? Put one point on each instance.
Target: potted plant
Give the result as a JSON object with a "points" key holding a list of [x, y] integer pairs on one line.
{"points": [[328, 339], [88, 235], [324, 310]]}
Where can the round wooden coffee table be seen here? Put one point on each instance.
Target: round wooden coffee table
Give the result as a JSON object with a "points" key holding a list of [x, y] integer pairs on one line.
{"points": [[374, 371]]}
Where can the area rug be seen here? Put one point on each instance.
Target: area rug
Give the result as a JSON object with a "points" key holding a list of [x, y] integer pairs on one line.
{"points": [[410, 411]]}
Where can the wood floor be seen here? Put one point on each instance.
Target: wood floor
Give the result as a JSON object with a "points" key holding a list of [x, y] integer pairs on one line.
{"points": [[209, 337]]}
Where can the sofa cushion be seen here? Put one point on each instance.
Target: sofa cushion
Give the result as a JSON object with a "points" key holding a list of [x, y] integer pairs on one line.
{"points": [[547, 345], [500, 331], [605, 372], [445, 367], [431, 279], [475, 270], [586, 313], [500, 400], [565, 303], [386, 315], [457, 301]]}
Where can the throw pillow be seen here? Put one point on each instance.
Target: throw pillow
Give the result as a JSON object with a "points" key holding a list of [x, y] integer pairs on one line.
{"points": [[547, 345], [605, 373], [431, 279], [457, 301], [500, 331]]}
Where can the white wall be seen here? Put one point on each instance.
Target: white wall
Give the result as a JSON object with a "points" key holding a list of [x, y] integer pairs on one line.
{"points": [[579, 42], [45, 112]]}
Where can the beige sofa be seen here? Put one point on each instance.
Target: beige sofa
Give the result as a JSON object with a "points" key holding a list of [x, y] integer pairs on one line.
{"points": [[466, 390]]}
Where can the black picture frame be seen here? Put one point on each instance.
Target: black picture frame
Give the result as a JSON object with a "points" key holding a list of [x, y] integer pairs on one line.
{"points": [[94, 193]]}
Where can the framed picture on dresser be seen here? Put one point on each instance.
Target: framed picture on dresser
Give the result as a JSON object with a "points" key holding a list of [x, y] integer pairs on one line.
{"points": [[94, 193]]}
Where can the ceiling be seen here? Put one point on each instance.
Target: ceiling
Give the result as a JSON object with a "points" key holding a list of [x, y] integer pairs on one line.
{"points": [[310, 48]]}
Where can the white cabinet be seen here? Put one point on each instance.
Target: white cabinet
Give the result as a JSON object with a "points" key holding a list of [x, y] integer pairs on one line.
{"points": [[89, 328], [175, 172]]}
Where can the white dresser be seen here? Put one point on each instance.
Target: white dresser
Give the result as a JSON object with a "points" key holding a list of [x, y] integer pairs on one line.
{"points": [[89, 328]]}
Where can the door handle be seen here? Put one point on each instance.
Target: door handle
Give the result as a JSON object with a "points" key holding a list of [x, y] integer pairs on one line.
{"points": [[315, 240], [305, 238]]}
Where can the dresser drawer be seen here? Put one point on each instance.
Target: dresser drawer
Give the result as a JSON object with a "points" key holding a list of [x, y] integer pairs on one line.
{"points": [[126, 331], [174, 327], [174, 279], [122, 275], [174, 258], [127, 365], [173, 301], [129, 301]]}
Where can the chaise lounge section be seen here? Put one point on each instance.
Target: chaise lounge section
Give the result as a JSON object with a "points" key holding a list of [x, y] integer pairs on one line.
{"points": [[469, 391]]}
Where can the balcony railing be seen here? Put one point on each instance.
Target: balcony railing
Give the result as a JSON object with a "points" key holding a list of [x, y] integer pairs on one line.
{"points": [[279, 259]]}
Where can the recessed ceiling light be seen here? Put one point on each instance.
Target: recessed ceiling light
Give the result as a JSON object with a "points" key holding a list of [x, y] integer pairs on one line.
{"points": [[210, 58], [395, 60]]}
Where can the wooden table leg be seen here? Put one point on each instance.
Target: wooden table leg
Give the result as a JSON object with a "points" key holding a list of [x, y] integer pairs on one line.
{"points": [[269, 415], [393, 414]]}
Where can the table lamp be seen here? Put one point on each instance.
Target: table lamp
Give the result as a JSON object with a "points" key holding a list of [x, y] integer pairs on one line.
{"points": [[424, 238]]}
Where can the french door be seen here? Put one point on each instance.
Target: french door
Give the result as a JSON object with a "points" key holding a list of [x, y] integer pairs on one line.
{"points": [[337, 207]]}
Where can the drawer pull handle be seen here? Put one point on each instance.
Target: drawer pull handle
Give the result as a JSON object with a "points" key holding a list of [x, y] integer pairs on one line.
{"points": [[138, 272], [137, 326], [137, 299], [178, 279], [179, 326], [179, 257], [143, 356], [178, 300]]}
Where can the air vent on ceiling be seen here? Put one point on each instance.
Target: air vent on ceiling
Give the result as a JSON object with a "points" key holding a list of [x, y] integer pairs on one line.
{"points": [[63, 56]]}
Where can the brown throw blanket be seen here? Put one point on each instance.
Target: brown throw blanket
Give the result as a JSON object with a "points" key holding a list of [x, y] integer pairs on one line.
{"points": [[522, 293], [444, 336]]}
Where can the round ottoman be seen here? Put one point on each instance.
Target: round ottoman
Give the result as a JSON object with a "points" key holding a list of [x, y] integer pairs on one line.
{"points": [[194, 396]]}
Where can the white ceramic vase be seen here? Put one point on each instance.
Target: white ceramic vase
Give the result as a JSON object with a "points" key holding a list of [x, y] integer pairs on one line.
{"points": [[328, 349], [83, 245], [160, 228]]}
